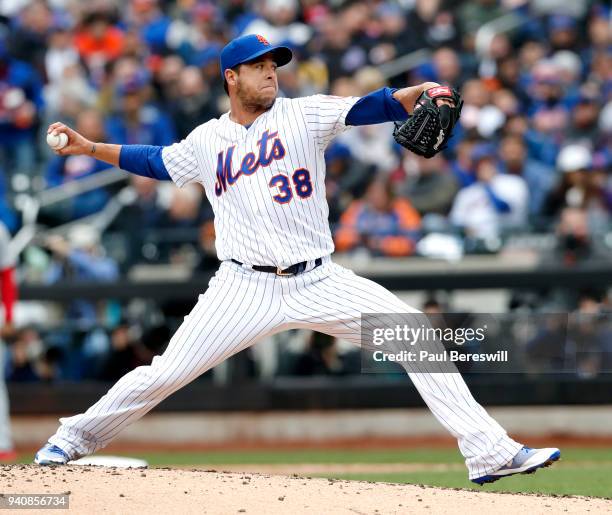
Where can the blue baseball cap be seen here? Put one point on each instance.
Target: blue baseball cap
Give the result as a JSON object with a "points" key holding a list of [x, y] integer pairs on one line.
{"points": [[246, 48], [482, 151], [562, 22]]}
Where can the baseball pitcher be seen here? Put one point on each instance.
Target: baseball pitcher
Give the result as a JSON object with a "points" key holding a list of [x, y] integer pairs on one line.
{"points": [[263, 169]]}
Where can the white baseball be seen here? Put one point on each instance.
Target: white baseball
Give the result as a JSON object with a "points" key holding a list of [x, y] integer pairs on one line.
{"points": [[57, 141]]}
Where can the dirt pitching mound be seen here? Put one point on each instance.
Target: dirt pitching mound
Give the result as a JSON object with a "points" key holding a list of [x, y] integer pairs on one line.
{"points": [[112, 490]]}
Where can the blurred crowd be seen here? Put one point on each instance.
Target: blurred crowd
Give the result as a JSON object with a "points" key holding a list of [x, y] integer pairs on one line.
{"points": [[578, 343], [534, 137], [531, 154]]}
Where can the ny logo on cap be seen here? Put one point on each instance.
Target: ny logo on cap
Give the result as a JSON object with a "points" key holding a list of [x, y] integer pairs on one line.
{"points": [[262, 40]]}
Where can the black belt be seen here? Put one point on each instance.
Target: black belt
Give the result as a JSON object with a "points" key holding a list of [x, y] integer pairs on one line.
{"points": [[298, 268]]}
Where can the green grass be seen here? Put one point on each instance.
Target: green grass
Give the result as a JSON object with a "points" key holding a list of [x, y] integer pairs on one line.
{"points": [[594, 480], [582, 471], [424, 455]]}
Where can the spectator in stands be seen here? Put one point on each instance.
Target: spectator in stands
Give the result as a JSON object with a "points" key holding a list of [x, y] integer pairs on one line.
{"points": [[576, 245], [153, 25], [184, 207], [144, 212], [60, 53], [549, 116], [321, 357], [494, 203], [147, 207], [31, 29], [342, 55], [578, 343], [167, 79], [461, 165], [562, 31], [68, 95], [28, 360], [279, 24], [135, 120], [80, 258], [20, 102], [370, 144], [382, 224], [98, 40], [546, 351], [429, 26], [575, 241], [194, 104], [127, 352], [345, 179], [384, 33], [207, 38], [476, 97], [540, 179], [508, 73], [574, 187], [588, 337], [531, 52], [63, 170], [428, 184], [448, 67], [585, 116]]}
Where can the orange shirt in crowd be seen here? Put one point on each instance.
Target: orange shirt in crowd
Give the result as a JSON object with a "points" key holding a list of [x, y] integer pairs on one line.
{"points": [[110, 45], [392, 233]]}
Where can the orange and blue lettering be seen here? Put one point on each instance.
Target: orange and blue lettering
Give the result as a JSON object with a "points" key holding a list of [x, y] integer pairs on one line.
{"points": [[250, 163], [278, 151], [231, 179], [221, 184]]}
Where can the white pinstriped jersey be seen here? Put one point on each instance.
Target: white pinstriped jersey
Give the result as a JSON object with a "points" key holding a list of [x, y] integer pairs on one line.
{"points": [[266, 184]]}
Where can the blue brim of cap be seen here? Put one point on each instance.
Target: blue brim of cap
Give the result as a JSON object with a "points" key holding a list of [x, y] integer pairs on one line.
{"points": [[282, 54]]}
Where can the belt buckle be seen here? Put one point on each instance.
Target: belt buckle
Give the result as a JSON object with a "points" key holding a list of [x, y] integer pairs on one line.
{"points": [[281, 273]]}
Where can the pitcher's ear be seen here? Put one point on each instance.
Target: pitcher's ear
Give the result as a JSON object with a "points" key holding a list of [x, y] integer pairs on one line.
{"points": [[230, 76]]}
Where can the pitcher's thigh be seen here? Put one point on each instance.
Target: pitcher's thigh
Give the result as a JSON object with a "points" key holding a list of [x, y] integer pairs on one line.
{"points": [[339, 300], [229, 317]]}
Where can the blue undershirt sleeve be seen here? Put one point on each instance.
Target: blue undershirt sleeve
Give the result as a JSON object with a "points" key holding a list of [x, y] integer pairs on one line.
{"points": [[500, 205], [144, 160], [377, 107]]}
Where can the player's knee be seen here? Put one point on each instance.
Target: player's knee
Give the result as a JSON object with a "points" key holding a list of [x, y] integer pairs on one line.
{"points": [[164, 374]]}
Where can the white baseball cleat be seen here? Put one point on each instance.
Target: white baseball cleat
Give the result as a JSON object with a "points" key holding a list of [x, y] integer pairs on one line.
{"points": [[526, 461], [51, 454]]}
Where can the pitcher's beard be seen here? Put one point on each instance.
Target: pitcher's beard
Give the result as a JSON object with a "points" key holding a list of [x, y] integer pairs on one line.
{"points": [[253, 103]]}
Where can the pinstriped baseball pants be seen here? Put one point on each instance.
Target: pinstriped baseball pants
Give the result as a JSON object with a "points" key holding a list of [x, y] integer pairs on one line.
{"points": [[242, 306]]}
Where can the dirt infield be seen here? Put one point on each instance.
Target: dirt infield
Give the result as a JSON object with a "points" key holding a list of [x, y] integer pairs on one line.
{"points": [[111, 490]]}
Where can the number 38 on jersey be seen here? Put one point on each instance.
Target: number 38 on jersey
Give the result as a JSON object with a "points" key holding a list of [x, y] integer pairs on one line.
{"points": [[298, 184]]}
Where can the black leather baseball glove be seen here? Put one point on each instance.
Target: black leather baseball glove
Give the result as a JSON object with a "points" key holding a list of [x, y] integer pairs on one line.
{"points": [[428, 130]]}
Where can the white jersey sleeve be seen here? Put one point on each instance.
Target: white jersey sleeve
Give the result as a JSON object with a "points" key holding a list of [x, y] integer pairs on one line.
{"points": [[325, 115], [181, 163]]}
